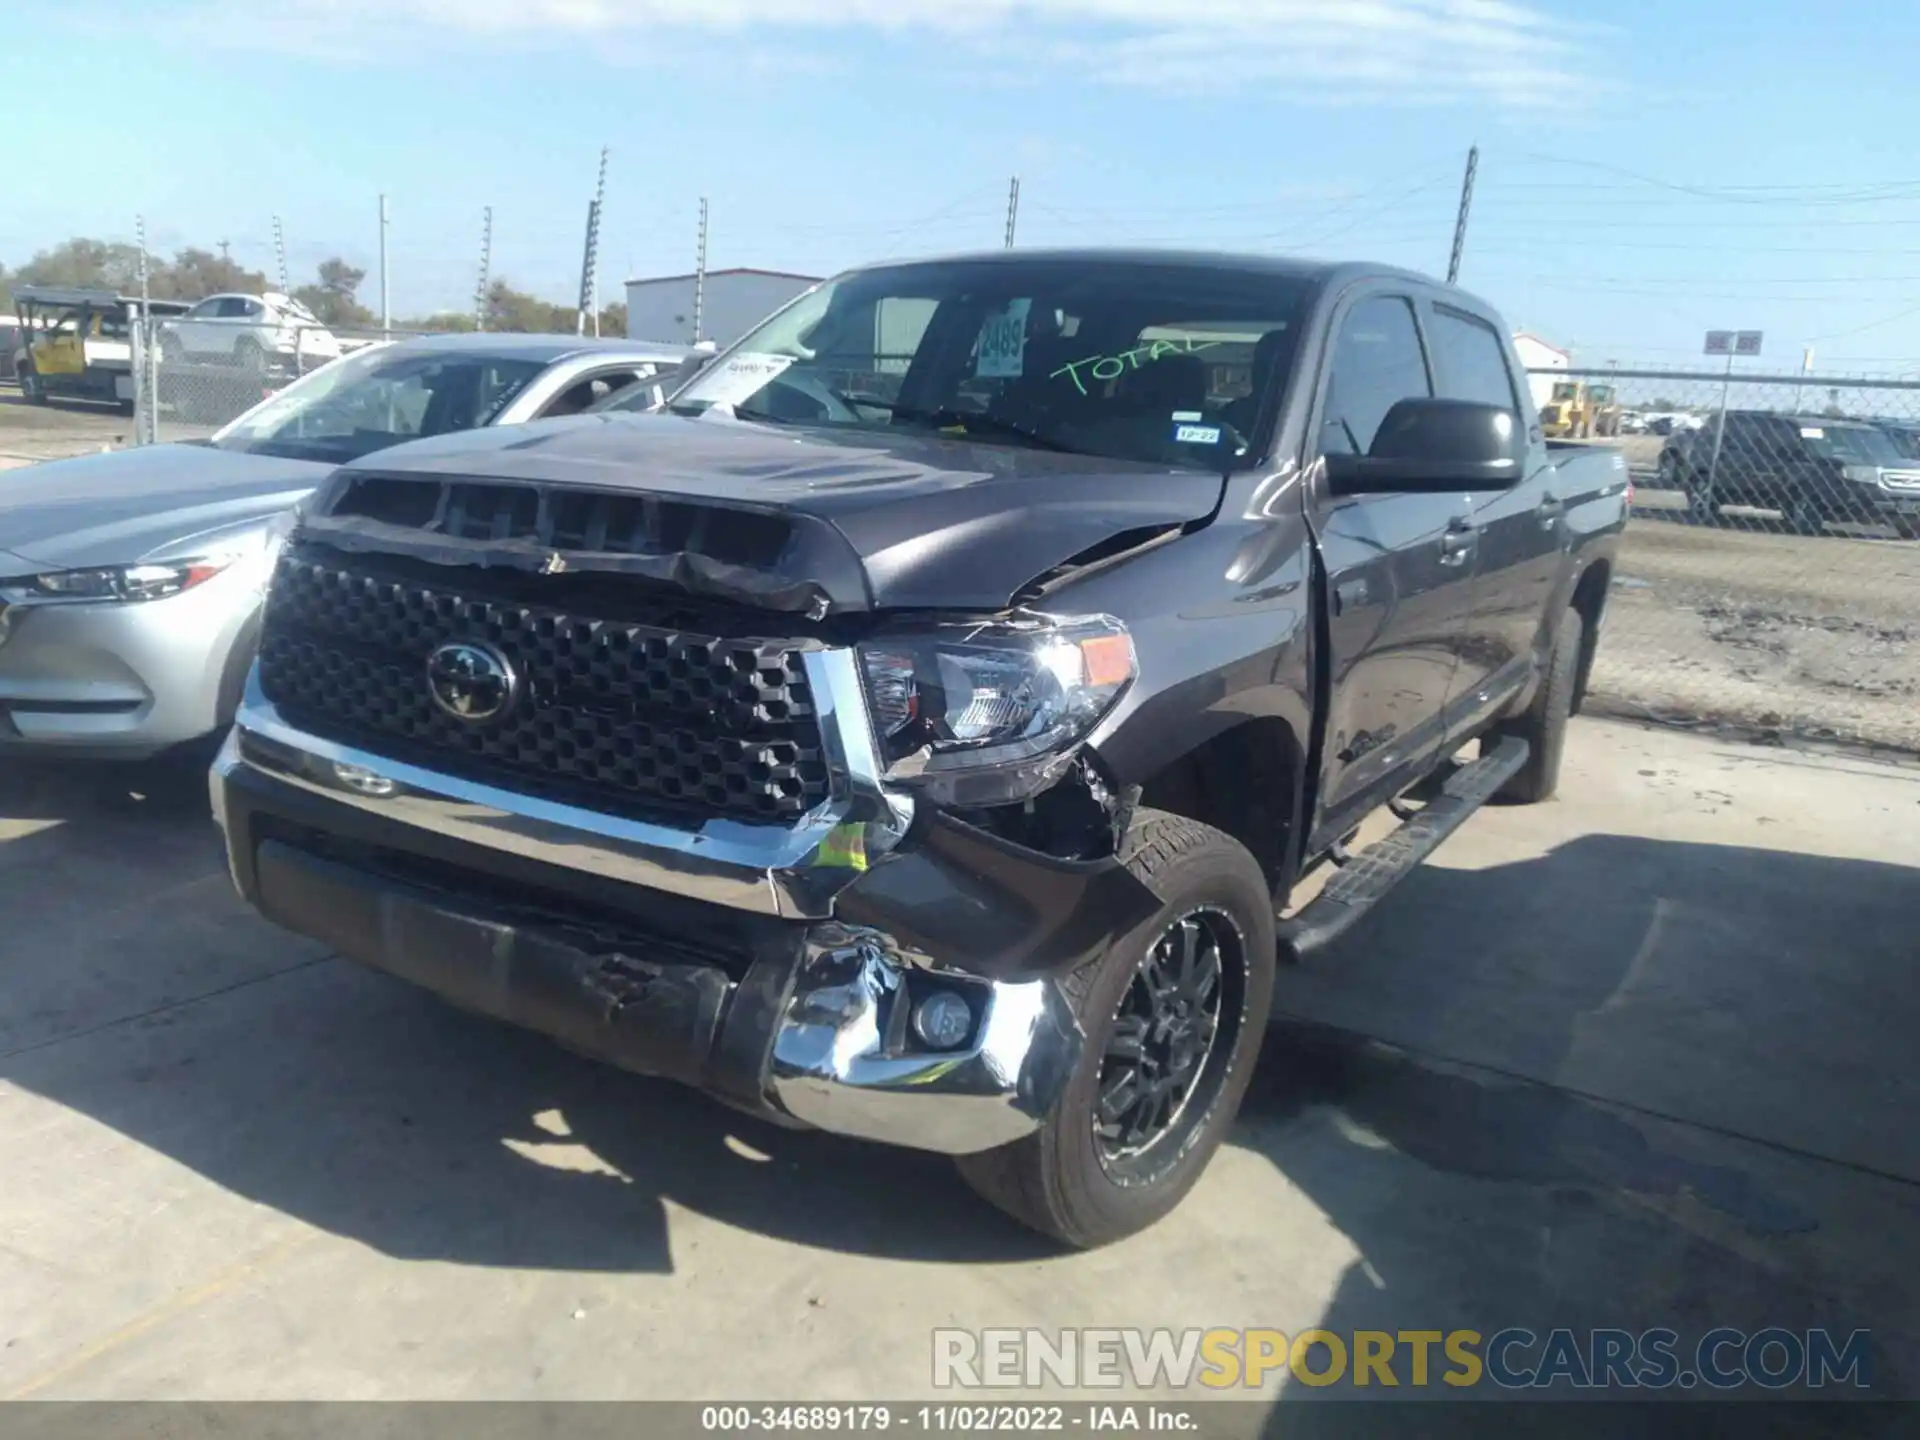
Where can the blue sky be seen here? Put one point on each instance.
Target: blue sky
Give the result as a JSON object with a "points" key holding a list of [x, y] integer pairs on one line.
{"points": [[1648, 170]]}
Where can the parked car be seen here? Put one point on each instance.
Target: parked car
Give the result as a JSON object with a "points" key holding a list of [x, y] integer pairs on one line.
{"points": [[130, 581], [256, 333], [930, 766], [1812, 469]]}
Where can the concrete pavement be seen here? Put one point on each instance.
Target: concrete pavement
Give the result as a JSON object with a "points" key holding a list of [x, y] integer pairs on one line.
{"points": [[1641, 1056]]}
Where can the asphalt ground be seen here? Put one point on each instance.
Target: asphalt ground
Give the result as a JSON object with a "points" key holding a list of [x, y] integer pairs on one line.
{"points": [[1637, 1057]]}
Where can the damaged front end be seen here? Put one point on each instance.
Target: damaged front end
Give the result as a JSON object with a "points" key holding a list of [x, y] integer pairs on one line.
{"points": [[840, 864]]}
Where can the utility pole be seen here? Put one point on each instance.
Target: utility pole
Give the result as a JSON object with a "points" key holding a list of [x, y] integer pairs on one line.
{"points": [[700, 278], [386, 319], [593, 242], [280, 256], [486, 259], [586, 306], [1013, 209], [224, 258], [1466, 209], [146, 405]]}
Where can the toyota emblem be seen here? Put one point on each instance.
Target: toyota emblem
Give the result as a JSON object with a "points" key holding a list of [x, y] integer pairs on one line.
{"points": [[471, 682]]}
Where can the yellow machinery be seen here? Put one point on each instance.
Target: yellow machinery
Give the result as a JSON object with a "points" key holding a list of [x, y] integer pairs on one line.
{"points": [[1577, 410], [78, 343]]}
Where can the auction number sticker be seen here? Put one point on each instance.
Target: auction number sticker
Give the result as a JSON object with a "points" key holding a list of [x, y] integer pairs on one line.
{"points": [[1003, 342]]}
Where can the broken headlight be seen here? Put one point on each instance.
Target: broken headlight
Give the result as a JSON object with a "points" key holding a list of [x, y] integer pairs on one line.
{"points": [[990, 714]]}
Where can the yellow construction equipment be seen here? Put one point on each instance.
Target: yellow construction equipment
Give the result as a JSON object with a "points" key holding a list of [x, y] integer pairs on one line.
{"points": [[1577, 410]]}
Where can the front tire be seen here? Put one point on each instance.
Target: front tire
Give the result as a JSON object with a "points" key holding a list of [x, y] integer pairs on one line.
{"points": [[1803, 514], [1544, 724], [1173, 1015], [1906, 527]]}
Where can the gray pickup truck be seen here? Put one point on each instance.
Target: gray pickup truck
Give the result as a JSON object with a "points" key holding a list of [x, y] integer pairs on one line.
{"points": [[919, 727]]}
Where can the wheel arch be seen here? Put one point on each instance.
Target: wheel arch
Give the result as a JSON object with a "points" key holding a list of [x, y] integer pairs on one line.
{"points": [[1248, 781]]}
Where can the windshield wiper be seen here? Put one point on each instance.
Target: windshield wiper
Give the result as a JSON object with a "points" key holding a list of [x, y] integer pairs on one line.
{"points": [[944, 419]]}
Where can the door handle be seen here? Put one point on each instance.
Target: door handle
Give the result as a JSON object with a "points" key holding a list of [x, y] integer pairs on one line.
{"points": [[1550, 511], [1457, 544]]}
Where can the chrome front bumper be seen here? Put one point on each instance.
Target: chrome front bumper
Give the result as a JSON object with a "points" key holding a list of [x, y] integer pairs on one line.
{"points": [[854, 922]]}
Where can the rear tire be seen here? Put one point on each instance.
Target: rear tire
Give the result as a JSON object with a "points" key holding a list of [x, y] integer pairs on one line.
{"points": [[1544, 724], [31, 388], [1086, 1185]]}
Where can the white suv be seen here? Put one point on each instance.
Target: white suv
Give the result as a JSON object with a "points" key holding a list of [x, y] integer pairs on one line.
{"points": [[255, 332]]}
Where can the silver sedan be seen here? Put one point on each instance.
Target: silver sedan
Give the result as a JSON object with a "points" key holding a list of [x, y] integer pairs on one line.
{"points": [[130, 582]]}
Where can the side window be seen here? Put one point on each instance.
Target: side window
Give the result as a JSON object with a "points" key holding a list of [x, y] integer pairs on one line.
{"points": [[205, 310], [1377, 363], [1471, 360], [234, 307], [590, 391]]}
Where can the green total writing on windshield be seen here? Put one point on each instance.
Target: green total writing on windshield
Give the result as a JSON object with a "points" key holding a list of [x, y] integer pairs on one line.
{"points": [[1112, 367]]}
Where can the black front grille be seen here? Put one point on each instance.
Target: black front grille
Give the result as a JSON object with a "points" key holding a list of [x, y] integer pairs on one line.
{"points": [[622, 717]]}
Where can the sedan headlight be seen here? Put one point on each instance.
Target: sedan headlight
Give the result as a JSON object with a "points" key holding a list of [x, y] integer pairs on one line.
{"points": [[158, 580], [990, 714], [130, 582], [1862, 474]]}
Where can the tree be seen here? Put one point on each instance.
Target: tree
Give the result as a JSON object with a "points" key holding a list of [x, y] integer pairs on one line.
{"points": [[516, 312], [195, 274], [335, 299], [443, 322], [613, 319], [84, 264]]}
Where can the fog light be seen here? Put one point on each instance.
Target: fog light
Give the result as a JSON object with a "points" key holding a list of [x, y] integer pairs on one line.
{"points": [[943, 1020]]}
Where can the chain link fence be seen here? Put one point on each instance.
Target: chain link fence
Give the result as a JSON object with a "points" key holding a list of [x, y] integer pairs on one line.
{"points": [[1770, 576], [193, 376]]}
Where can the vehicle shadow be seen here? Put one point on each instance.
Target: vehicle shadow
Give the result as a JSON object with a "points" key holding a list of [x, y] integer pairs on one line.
{"points": [[371, 1110], [1689, 980], [1434, 1086]]}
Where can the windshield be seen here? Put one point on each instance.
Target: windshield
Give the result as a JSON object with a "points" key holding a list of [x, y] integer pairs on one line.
{"points": [[1854, 444], [1904, 440], [1157, 363], [377, 398]]}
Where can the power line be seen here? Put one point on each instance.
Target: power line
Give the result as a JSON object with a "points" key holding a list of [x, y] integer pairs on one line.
{"points": [[1727, 193]]}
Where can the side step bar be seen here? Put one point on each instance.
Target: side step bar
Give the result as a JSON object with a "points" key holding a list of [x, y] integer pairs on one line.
{"points": [[1371, 873]]}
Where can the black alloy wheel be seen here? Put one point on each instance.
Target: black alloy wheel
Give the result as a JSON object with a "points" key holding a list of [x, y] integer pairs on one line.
{"points": [[1166, 1053]]}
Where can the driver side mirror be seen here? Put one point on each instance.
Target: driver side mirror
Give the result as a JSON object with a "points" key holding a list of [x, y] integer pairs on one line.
{"points": [[1436, 446]]}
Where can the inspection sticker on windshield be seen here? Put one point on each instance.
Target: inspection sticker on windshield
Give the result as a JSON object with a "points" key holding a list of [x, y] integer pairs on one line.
{"points": [[1196, 434], [742, 376], [1003, 342], [1808, 433], [1188, 417]]}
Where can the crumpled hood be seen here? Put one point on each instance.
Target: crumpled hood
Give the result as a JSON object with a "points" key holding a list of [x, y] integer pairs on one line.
{"points": [[122, 506], [919, 520]]}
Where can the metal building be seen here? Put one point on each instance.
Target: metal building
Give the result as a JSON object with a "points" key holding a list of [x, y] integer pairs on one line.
{"points": [[662, 308]]}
